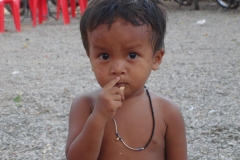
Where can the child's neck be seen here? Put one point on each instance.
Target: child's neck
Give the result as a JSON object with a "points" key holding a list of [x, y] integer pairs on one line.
{"points": [[136, 94]]}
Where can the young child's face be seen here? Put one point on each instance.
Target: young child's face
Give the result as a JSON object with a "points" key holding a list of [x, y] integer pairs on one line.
{"points": [[125, 51]]}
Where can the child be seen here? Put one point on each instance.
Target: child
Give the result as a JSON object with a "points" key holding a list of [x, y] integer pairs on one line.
{"points": [[124, 40]]}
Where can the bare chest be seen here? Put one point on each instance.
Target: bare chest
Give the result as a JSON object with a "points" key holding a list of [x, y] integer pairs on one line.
{"points": [[137, 128]]}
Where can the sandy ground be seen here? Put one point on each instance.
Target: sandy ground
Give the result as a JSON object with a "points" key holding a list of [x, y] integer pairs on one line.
{"points": [[44, 68]]}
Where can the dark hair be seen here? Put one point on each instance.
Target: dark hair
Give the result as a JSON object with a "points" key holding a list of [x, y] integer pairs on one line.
{"points": [[137, 12]]}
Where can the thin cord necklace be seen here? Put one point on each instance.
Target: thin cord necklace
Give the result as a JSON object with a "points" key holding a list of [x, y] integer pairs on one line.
{"points": [[150, 139]]}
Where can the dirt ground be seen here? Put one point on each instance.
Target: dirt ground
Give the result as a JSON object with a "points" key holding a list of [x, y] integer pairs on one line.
{"points": [[44, 68]]}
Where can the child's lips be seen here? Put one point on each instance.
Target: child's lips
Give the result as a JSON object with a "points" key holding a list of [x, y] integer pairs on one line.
{"points": [[120, 85]]}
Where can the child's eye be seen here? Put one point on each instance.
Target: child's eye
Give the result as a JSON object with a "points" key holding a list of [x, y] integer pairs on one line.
{"points": [[132, 55], [104, 56]]}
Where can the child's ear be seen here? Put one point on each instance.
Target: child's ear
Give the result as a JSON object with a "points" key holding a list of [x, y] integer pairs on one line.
{"points": [[157, 59]]}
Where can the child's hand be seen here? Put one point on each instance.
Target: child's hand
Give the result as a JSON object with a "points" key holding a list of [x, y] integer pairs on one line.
{"points": [[109, 100]]}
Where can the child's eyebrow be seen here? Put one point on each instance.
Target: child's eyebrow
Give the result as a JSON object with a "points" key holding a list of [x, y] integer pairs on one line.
{"points": [[99, 47], [127, 47], [131, 47]]}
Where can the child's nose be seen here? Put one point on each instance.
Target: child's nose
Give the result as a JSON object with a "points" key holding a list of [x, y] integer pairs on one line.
{"points": [[118, 68]]}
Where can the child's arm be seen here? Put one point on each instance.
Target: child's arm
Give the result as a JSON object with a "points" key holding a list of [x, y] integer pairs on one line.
{"points": [[86, 127], [175, 137]]}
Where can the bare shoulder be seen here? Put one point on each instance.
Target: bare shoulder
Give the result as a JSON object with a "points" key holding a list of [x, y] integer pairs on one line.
{"points": [[80, 110], [169, 109], [175, 135], [84, 100]]}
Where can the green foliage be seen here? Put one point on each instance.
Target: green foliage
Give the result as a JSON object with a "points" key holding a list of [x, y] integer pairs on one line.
{"points": [[17, 99]]}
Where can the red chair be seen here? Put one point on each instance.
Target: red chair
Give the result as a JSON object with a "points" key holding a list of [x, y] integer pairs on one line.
{"points": [[82, 4], [38, 7], [63, 4], [15, 13]]}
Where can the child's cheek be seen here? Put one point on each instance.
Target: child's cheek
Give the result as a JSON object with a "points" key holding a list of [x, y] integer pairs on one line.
{"points": [[100, 75]]}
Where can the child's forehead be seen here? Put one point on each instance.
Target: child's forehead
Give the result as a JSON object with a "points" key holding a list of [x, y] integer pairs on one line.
{"points": [[120, 26]]}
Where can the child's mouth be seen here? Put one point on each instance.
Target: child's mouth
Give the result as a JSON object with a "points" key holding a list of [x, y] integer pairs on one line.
{"points": [[120, 84]]}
